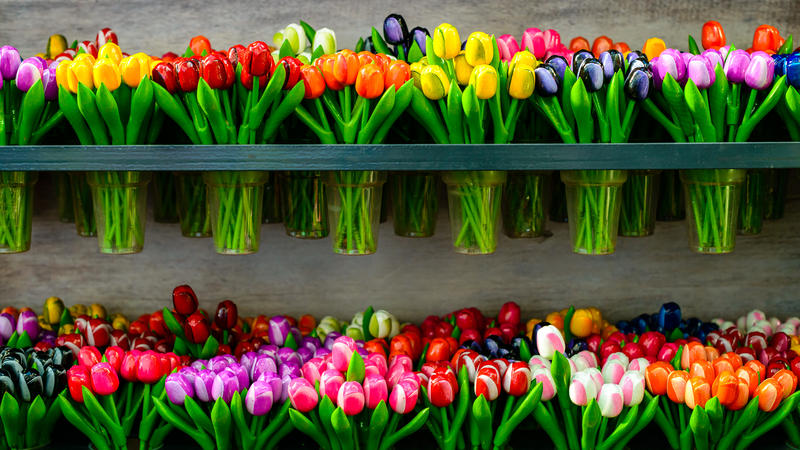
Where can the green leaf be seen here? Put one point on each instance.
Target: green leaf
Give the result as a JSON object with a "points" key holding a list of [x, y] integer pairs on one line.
{"points": [[483, 418], [173, 324], [209, 102], [237, 413], [414, 53], [693, 48], [367, 317], [786, 48], [309, 30], [674, 95], [341, 425], [113, 428], [221, 418], [356, 368], [209, 348], [12, 341], [377, 423], [36, 414], [141, 107], [700, 112], [201, 420], [305, 426], [24, 341], [714, 412], [359, 45], [590, 424], [107, 106], [176, 111], [700, 426], [582, 109], [380, 44], [290, 342], [285, 50], [410, 428], [319, 51], [88, 109], [30, 112], [9, 413], [522, 411]]}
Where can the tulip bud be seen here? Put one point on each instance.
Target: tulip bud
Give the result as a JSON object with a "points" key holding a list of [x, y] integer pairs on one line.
{"points": [[632, 384], [369, 82], [582, 389], [609, 399], [591, 72], [698, 71], [547, 81], [545, 377], [28, 73], [88, 48], [302, 395], [257, 60], [507, 46], [435, 84], [419, 35], [613, 371], [698, 392], [110, 51], [712, 35], [9, 62], [395, 30], [226, 315], [653, 47], [479, 49], [517, 379], [184, 300], [148, 367], [446, 42], [549, 341], [28, 323], [484, 80], [178, 387], [760, 71], [488, 381], [165, 74], [78, 377], [105, 36], [104, 379], [637, 84], [295, 35]]}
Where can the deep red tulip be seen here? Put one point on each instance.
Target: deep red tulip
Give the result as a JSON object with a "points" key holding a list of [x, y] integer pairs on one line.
{"points": [[98, 333], [224, 349], [157, 324], [77, 378], [187, 71], [169, 57], [756, 340], [141, 344], [138, 326], [163, 345], [747, 354], [593, 342], [508, 330], [780, 341], [257, 59], [196, 328], [493, 331], [226, 315], [235, 54], [469, 334], [509, 313], [120, 339], [129, 365], [214, 72], [443, 329], [633, 350], [164, 74], [183, 297], [74, 341], [292, 66], [466, 320]]}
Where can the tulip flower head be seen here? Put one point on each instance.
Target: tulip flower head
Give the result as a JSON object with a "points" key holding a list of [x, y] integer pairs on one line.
{"points": [[403, 397], [446, 42], [325, 38], [10, 61], [370, 81], [106, 72], [507, 46], [479, 49], [610, 400], [484, 79], [434, 82], [178, 388], [294, 35], [522, 81], [259, 398], [760, 71]]}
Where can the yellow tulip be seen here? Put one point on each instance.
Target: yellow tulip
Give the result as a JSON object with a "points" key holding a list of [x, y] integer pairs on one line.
{"points": [[106, 72], [479, 49], [84, 57], [416, 72], [77, 310], [463, 69], [53, 308], [119, 322], [66, 329], [43, 324], [581, 323], [56, 45], [133, 68], [62, 73], [653, 47], [97, 311], [110, 51], [79, 72], [523, 57], [434, 81], [522, 80], [446, 42], [484, 80]]}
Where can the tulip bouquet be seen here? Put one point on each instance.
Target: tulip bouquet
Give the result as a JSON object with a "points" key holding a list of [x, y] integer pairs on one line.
{"points": [[595, 100], [542, 44], [354, 98], [31, 380], [106, 409], [719, 404], [711, 108], [27, 114], [346, 406], [224, 99], [453, 116]]}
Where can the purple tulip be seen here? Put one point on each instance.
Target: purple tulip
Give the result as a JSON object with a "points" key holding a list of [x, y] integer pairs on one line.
{"points": [[217, 364], [361, 351], [279, 329], [269, 350], [28, 323], [189, 373], [230, 359], [263, 364], [259, 398], [330, 337], [50, 85], [304, 354], [635, 54], [394, 29], [285, 387], [200, 364], [203, 384], [686, 56], [736, 66], [247, 361], [292, 369], [287, 355], [178, 388], [714, 57], [9, 62], [311, 343], [241, 374], [274, 381], [419, 35], [699, 72], [47, 336], [225, 384], [759, 74], [611, 61], [7, 325], [298, 336], [724, 51], [28, 73], [321, 352]]}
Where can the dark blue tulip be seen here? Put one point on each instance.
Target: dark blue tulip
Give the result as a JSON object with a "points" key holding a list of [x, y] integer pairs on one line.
{"points": [[638, 63], [576, 345], [506, 353], [418, 34], [559, 63], [780, 64], [638, 84], [475, 346], [693, 325], [63, 356], [636, 54], [792, 71], [624, 327], [395, 30], [14, 354], [652, 323], [548, 83], [368, 45], [669, 316], [612, 61], [640, 324], [579, 57], [591, 72], [708, 327]]}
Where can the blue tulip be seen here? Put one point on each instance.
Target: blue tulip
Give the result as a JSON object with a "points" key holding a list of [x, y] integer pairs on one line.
{"points": [[548, 83], [792, 70], [636, 54], [624, 326], [669, 316], [419, 35], [638, 84], [559, 63], [579, 57], [591, 72], [612, 61], [395, 30]]}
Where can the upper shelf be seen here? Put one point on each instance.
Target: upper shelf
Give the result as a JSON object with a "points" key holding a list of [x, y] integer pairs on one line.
{"points": [[428, 157]]}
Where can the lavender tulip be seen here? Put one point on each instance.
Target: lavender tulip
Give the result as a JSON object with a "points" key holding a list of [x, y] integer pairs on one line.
{"points": [[269, 350], [311, 343], [724, 51], [189, 373], [274, 381], [285, 387], [699, 73], [321, 352], [548, 82], [247, 361], [7, 325], [394, 29], [28, 73], [50, 85], [760, 71], [203, 384], [27, 322], [686, 56], [419, 35], [217, 364], [242, 376], [736, 66], [579, 57], [259, 398], [263, 364], [225, 384], [559, 64], [330, 337], [591, 72], [635, 54], [178, 388], [611, 61], [714, 57], [291, 369], [9, 62], [200, 364], [279, 329], [287, 355]]}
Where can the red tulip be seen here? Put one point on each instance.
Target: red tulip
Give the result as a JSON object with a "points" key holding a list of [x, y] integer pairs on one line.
{"points": [[756, 340], [712, 36], [509, 313], [148, 368], [466, 320], [187, 71], [98, 333], [114, 356], [120, 339], [438, 350], [517, 379], [652, 341], [469, 334], [487, 380], [88, 356], [164, 74], [105, 36], [292, 66], [257, 59], [183, 297], [443, 329], [593, 342], [633, 350], [235, 54], [88, 47], [215, 72], [226, 315], [77, 378], [129, 365], [104, 379], [609, 347], [196, 328], [74, 341], [441, 391]]}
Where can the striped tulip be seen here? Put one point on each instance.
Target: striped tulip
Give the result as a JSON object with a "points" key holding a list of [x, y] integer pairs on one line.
{"points": [[698, 392], [632, 385], [351, 398], [488, 381], [582, 389], [302, 395], [610, 400]]}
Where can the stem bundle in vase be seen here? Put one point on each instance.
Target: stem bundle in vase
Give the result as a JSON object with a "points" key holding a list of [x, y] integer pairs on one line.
{"points": [[717, 96]]}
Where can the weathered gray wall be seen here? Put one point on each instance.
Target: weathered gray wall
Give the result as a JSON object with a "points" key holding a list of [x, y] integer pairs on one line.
{"points": [[410, 277], [160, 26]]}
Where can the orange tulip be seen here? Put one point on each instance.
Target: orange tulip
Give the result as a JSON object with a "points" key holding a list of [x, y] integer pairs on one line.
{"points": [[376, 346], [345, 67], [601, 44], [735, 359], [759, 368], [788, 381], [769, 394], [555, 319], [725, 388], [656, 376], [621, 47], [766, 38], [581, 323], [702, 369], [383, 61], [698, 392], [307, 321], [397, 74], [313, 81], [722, 364], [326, 66], [579, 43], [369, 81], [608, 331], [712, 36], [198, 44], [749, 377], [260, 324], [365, 57], [653, 47], [742, 396], [692, 351], [711, 353], [529, 327], [676, 385]]}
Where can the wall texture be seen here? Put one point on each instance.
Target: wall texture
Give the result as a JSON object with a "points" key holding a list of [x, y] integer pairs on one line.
{"points": [[160, 26]]}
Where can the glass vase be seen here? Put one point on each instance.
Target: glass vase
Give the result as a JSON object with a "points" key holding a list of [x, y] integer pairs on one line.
{"points": [[593, 205], [16, 210], [305, 208], [272, 199], [751, 208], [120, 208], [558, 199], [354, 208], [525, 204], [671, 202], [235, 202], [712, 206], [415, 197], [66, 213], [85, 224], [637, 215], [474, 207], [775, 183], [191, 202], [164, 207]]}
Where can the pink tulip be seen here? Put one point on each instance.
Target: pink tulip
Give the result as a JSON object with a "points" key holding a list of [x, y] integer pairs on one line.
{"points": [[551, 39], [549, 341], [582, 389], [610, 400], [105, 380], [342, 351], [596, 377], [302, 395], [539, 362], [618, 356], [544, 377], [533, 40], [632, 384], [378, 361], [375, 390], [312, 370], [403, 398], [507, 46], [667, 351], [638, 365], [351, 398], [330, 383], [613, 371], [403, 361]]}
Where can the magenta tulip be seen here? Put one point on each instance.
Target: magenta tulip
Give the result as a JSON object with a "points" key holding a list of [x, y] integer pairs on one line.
{"points": [[507, 46], [403, 398], [330, 382], [225, 384], [760, 71], [699, 73], [302, 395], [342, 351], [105, 380], [27, 322], [375, 390], [178, 388], [203, 384], [533, 40], [28, 73], [259, 398], [9, 62], [351, 398]]}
